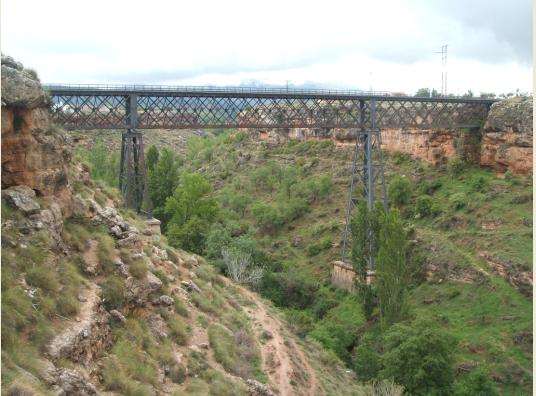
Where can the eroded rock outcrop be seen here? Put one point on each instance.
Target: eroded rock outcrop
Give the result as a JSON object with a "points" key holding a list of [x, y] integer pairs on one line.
{"points": [[507, 136], [32, 154]]}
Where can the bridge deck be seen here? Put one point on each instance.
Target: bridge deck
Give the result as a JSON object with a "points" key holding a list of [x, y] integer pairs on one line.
{"points": [[146, 107]]}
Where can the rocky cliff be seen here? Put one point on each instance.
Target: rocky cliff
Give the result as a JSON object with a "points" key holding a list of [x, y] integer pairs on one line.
{"points": [[507, 136], [33, 154], [504, 143]]}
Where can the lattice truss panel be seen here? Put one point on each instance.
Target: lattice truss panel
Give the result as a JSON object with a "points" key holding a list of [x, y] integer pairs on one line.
{"points": [[174, 111], [220, 112], [423, 114], [89, 111]]}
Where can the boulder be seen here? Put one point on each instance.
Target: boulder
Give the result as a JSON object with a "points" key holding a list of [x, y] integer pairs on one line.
{"points": [[20, 89], [73, 383], [118, 316], [22, 198], [257, 388]]}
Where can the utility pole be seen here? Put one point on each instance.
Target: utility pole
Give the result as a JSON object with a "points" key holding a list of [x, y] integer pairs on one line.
{"points": [[443, 53]]}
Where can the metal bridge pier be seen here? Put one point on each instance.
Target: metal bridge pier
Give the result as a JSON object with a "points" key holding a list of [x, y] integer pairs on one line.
{"points": [[368, 141], [132, 175]]}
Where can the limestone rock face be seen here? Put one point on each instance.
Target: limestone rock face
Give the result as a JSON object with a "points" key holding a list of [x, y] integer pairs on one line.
{"points": [[31, 154], [19, 87], [507, 137]]}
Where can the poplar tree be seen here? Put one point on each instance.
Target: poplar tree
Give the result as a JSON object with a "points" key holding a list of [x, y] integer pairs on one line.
{"points": [[392, 277]]}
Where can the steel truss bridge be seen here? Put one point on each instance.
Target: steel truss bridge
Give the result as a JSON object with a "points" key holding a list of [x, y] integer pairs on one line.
{"points": [[132, 108]]}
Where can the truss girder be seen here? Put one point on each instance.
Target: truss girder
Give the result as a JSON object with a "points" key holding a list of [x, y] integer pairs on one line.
{"points": [[111, 110]]}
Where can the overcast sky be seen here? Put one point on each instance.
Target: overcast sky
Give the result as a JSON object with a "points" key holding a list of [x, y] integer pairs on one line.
{"points": [[383, 45]]}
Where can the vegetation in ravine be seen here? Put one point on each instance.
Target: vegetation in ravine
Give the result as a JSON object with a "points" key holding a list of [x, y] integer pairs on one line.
{"points": [[283, 207]]}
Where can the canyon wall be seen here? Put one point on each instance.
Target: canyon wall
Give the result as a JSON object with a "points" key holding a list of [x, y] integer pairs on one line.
{"points": [[503, 144], [33, 154]]}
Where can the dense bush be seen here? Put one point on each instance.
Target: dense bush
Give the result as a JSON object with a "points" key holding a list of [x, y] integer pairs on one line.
{"points": [[429, 187], [476, 383], [479, 183], [293, 287], [367, 361], [420, 358], [457, 201], [423, 205], [399, 190], [338, 329], [324, 244], [456, 166]]}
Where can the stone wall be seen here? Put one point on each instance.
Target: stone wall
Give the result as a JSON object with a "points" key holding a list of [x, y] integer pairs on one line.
{"points": [[505, 142], [342, 276]]}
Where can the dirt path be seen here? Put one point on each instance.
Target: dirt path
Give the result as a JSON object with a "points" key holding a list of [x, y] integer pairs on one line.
{"points": [[67, 337], [276, 352]]}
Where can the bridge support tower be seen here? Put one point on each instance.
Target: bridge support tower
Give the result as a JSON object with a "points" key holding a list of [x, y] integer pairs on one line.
{"points": [[132, 174], [368, 175]]}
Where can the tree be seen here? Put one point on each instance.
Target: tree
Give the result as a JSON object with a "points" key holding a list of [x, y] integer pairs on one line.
{"points": [[162, 181], [392, 277], [151, 158], [241, 268], [289, 180], [266, 216], [191, 210], [468, 94], [365, 233], [420, 358], [425, 92]]}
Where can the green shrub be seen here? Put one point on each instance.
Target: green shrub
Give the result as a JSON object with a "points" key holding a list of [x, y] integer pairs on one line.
{"points": [[180, 306], [338, 329], [429, 187], [423, 205], [77, 236], [291, 210], [113, 292], [479, 183], [324, 244], [367, 357], [138, 268], [457, 201], [266, 216], [399, 190], [456, 166], [476, 383], [177, 373], [43, 277], [105, 252]]}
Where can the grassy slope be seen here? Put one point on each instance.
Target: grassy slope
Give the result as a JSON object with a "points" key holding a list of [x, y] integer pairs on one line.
{"points": [[132, 364], [484, 315]]}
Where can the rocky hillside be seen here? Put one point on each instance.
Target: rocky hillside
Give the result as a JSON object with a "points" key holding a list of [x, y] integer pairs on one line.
{"points": [[94, 301]]}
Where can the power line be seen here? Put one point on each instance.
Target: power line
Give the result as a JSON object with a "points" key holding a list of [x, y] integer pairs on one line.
{"points": [[443, 53]]}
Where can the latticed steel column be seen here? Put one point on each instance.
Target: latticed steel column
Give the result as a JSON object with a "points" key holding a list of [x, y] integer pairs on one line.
{"points": [[132, 175], [368, 142]]}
